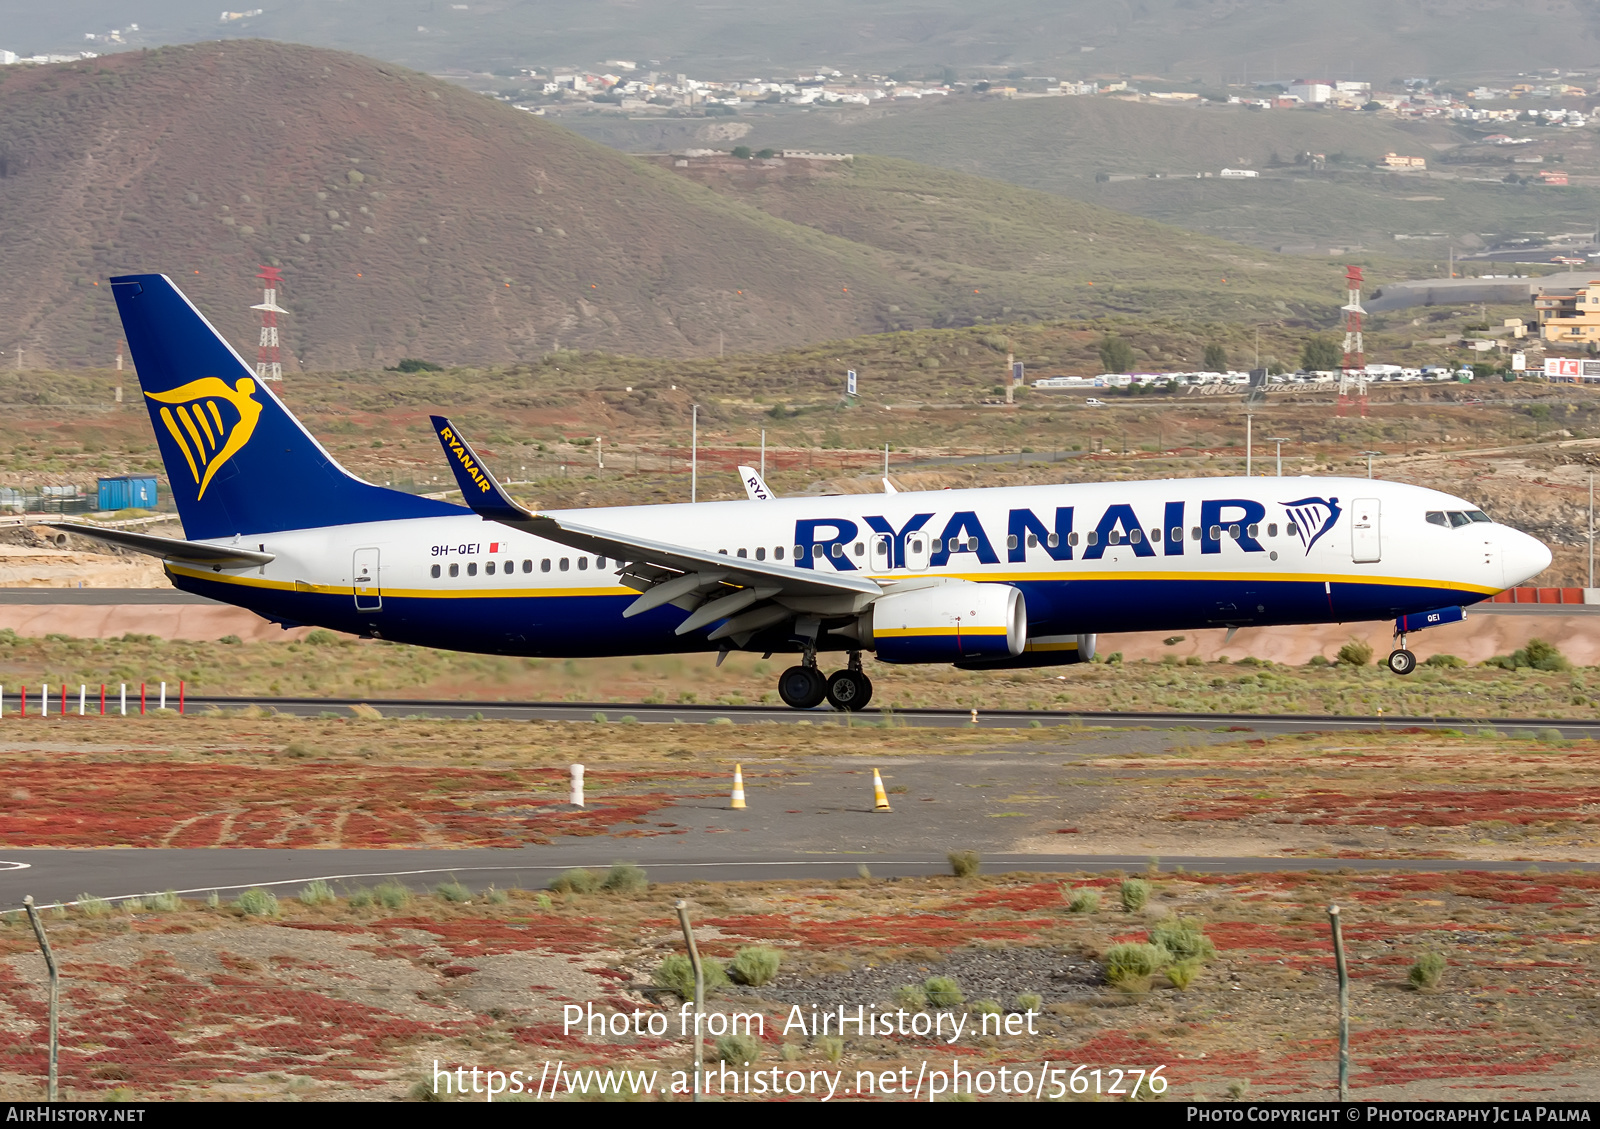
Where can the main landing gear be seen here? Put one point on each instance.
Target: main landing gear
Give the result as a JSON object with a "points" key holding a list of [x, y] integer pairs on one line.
{"points": [[1401, 660], [803, 687]]}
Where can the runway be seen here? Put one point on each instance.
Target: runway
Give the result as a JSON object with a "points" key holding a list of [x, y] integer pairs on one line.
{"points": [[57, 876], [644, 713]]}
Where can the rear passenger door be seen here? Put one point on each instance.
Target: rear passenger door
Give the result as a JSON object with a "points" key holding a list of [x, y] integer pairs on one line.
{"points": [[1366, 531]]}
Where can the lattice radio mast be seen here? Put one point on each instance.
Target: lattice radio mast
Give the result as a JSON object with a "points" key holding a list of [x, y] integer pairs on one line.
{"points": [[269, 365], [1353, 377]]}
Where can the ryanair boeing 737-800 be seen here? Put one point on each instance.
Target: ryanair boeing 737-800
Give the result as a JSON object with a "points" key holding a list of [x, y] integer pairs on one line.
{"points": [[984, 579]]}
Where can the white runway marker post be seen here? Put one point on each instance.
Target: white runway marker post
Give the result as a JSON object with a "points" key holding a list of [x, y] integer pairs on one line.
{"points": [[576, 796], [163, 696], [124, 699], [44, 700], [83, 698]]}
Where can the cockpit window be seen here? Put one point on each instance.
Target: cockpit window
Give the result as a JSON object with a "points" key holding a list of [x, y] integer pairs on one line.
{"points": [[1479, 515], [1436, 517], [1458, 519]]}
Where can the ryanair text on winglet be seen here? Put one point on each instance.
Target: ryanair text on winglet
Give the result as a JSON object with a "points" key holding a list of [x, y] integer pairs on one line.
{"points": [[459, 450]]}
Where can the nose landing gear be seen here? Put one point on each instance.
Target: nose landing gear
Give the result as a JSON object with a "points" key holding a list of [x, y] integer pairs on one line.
{"points": [[1401, 660]]}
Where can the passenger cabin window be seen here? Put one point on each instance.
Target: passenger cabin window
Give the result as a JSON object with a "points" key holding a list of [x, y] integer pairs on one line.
{"points": [[489, 568], [1272, 529], [1054, 540], [565, 564], [1091, 538], [1292, 529], [544, 565], [1011, 542], [837, 550], [1177, 533], [1255, 531], [1112, 538], [455, 570], [1136, 536], [938, 545], [1216, 532], [1194, 534], [436, 572], [742, 553], [527, 566], [600, 563], [472, 568], [761, 553], [1033, 542], [1155, 534], [583, 563], [1072, 538], [861, 548], [777, 554], [1233, 531]]}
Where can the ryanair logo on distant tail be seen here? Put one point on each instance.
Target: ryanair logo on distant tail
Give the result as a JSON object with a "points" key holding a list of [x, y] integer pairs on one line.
{"points": [[459, 449], [1313, 517], [207, 435]]}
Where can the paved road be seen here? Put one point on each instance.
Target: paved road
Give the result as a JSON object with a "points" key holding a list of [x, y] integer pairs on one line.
{"points": [[996, 719], [60, 875]]}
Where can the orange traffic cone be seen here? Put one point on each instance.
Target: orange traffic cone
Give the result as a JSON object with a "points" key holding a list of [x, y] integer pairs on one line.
{"points": [[738, 789], [880, 799]]}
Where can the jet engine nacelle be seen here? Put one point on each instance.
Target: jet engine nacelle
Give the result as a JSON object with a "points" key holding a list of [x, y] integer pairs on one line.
{"points": [[949, 623]]}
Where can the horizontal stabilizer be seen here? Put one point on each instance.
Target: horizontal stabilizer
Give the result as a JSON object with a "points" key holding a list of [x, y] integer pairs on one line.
{"points": [[168, 548]]}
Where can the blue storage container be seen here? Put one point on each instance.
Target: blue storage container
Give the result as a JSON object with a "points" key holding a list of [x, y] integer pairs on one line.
{"points": [[128, 491]]}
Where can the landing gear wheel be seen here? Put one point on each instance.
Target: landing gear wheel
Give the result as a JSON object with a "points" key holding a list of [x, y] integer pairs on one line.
{"points": [[802, 687], [849, 690], [1402, 661]]}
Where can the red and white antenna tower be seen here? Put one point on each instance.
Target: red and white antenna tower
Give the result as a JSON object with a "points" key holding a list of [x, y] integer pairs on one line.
{"points": [[1353, 377], [269, 365]]}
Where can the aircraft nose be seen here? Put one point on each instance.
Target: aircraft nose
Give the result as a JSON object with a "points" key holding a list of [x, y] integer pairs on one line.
{"points": [[1523, 557]]}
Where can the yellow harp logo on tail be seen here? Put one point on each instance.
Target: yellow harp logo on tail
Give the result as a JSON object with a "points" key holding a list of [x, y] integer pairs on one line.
{"points": [[209, 434]]}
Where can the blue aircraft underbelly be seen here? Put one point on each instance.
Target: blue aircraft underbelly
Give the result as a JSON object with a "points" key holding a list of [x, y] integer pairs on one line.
{"points": [[583, 626]]}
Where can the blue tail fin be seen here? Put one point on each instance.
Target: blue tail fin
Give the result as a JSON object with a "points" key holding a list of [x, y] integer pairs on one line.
{"points": [[238, 461]]}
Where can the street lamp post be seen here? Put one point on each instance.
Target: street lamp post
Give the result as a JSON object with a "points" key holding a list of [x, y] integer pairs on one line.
{"points": [[1280, 441]]}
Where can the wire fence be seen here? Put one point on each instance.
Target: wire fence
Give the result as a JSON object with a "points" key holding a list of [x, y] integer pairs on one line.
{"points": [[162, 998]]}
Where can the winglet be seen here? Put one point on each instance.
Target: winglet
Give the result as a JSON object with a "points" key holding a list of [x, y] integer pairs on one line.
{"points": [[479, 489], [755, 486]]}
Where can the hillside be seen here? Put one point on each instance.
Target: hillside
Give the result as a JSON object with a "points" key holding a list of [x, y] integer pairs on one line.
{"points": [[413, 218], [1208, 39], [1018, 254], [1061, 145]]}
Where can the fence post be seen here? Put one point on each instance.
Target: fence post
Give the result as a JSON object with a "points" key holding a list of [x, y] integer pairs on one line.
{"points": [[699, 996], [1344, 1004], [23, 698], [141, 699], [55, 991], [180, 696]]}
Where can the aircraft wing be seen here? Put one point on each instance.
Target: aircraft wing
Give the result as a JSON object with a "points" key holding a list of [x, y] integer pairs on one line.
{"points": [[755, 487], [748, 594], [167, 548]]}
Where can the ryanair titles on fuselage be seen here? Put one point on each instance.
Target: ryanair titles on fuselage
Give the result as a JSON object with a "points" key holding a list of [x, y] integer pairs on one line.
{"points": [[1236, 519]]}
